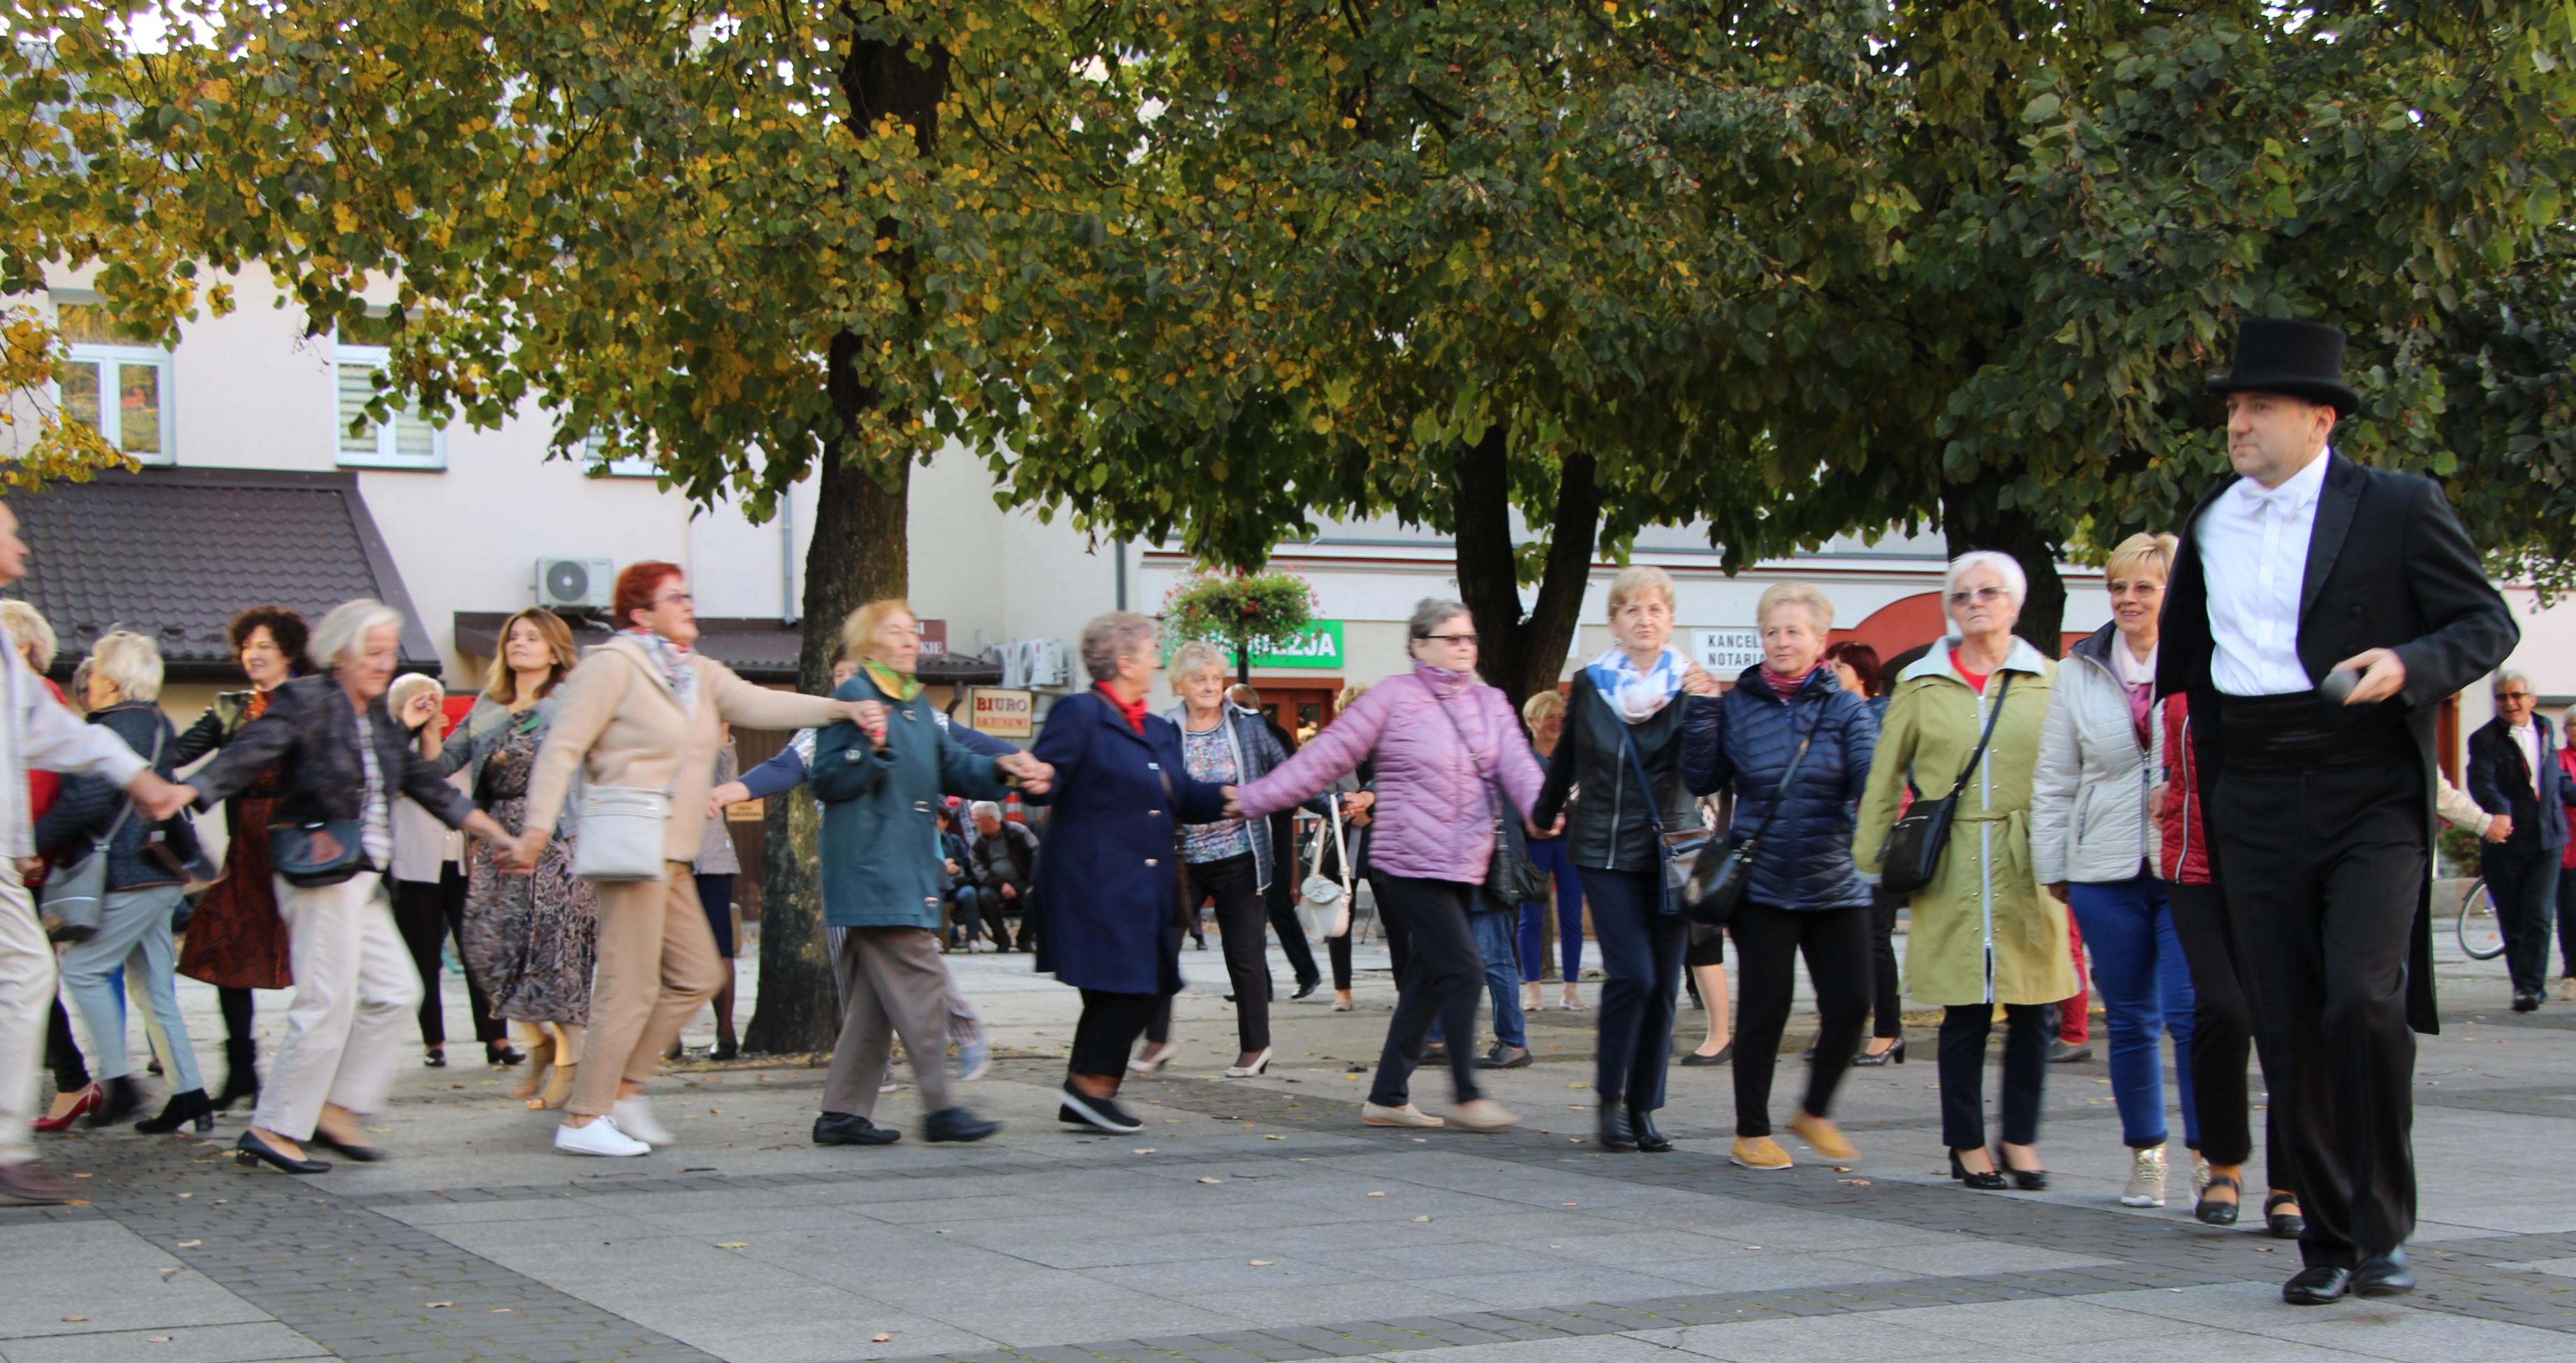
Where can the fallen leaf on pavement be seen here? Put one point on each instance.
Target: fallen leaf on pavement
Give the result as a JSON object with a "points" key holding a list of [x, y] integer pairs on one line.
{"points": [[880, 1337], [1264, 1263], [1211, 1180], [734, 1244]]}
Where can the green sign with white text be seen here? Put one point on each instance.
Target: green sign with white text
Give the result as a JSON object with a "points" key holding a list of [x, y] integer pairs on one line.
{"points": [[1320, 647]]}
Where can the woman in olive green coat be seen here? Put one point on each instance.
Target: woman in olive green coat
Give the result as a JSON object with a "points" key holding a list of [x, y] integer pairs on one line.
{"points": [[1983, 933]]}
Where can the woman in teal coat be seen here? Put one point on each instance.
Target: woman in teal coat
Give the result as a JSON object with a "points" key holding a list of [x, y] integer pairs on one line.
{"points": [[880, 786]]}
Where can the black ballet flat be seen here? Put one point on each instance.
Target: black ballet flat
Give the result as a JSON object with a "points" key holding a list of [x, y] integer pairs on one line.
{"points": [[2027, 1180], [254, 1151], [2280, 1224], [363, 1154], [1984, 1181], [2210, 1213]]}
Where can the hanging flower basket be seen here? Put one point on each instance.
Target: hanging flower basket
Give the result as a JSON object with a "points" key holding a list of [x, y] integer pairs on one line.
{"points": [[1244, 613]]}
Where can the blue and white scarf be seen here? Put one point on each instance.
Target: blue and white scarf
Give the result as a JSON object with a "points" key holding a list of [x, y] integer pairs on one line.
{"points": [[1637, 696]]}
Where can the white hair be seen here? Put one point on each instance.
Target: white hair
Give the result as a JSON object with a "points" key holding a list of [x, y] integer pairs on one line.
{"points": [[33, 632], [129, 662], [2507, 674], [409, 684], [343, 633], [1111, 638], [984, 809], [2016, 582]]}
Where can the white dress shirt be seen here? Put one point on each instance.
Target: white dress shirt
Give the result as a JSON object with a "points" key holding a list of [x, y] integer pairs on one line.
{"points": [[2527, 738], [2254, 555]]}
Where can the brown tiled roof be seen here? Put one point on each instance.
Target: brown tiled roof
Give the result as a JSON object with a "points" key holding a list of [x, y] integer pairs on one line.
{"points": [[172, 553]]}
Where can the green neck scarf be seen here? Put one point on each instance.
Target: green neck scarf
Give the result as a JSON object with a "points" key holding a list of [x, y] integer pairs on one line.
{"points": [[893, 683]]}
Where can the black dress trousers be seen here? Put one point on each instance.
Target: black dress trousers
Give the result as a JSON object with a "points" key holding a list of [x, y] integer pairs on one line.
{"points": [[2322, 870]]}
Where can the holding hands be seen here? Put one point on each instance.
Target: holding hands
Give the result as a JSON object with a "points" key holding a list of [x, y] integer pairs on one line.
{"points": [[1032, 775], [1355, 807], [1697, 681], [730, 793], [869, 715]]}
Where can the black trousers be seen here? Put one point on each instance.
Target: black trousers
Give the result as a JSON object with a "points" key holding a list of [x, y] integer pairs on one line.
{"points": [[1280, 902], [1886, 982], [2222, 1036], [428, 914], [1107, 1030], [1242, 927], [2567, 921], [1768, 942], [2322, 871], [1641, 954], [63, 1053], [1443, 976], [1964, 1029], [2525, 888], [977, 903]]}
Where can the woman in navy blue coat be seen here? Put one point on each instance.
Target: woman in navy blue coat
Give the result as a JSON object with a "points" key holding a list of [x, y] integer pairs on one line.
{"points": [[1107, 888], [1804, 895]]}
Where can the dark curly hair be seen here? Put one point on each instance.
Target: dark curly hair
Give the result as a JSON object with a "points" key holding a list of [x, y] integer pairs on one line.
{"points": [[287, 627]]}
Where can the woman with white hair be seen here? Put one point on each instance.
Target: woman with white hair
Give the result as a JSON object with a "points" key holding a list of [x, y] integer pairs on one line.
{"points": [[342, 759], [1966, 719], [143, 886]]}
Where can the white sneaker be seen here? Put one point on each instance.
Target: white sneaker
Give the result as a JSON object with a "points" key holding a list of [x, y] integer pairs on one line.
{"points": [[2146, 1179], [2199, 1176], [601, 1137], [634, 1117]]}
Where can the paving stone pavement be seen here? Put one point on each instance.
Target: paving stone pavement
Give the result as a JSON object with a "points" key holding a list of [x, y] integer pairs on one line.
{"points": [[1257, 1220]]}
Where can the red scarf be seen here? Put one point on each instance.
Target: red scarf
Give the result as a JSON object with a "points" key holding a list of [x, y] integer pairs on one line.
{"points": [[1784, 687], [1134, 714]]}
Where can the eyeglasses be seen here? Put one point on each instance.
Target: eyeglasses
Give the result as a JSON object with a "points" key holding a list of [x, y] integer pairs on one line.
{"points": [[668, 597], [1979, 594], [2513, 695], [1467, 639]]}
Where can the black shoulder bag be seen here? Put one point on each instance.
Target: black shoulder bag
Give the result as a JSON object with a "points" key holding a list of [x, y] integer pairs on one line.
{"points": [[1681, 851], [1719, 875], [1916, 842], [1510, 879]]}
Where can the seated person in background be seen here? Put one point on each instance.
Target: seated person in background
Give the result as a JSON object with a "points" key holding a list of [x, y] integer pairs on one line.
{"points": [[1004, 859]]}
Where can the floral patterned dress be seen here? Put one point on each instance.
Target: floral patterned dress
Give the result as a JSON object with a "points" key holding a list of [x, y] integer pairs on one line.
{"points": [[530, 940]]}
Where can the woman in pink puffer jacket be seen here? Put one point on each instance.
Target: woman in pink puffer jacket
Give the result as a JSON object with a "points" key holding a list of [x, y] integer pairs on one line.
{"points": [[1450, 759]]}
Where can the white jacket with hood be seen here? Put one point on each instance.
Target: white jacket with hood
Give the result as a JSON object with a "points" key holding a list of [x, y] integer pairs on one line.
{"points": [[2090, 818]]}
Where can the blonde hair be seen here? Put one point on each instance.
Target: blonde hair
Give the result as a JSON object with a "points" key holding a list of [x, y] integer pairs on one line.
{"points": [[859, 632], [408, 684], [1820, 607], [29, 627], [129, 662], [2140, 551], [501, 681], [1350, 696], [1195, 657], [1539, 706], [1637, 579]]}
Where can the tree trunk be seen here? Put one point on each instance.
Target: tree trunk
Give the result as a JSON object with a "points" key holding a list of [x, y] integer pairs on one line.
{"points": [[1968, 522], [1521, 653]]}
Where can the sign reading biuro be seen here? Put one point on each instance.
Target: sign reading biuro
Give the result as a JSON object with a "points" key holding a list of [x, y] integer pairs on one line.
{"points": [[1320, 647]]}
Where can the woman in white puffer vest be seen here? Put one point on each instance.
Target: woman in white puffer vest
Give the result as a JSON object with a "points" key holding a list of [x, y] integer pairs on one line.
{"points": [[2094, 844]]}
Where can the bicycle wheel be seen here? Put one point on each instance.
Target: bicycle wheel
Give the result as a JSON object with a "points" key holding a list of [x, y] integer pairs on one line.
{"points": [[2481, 932]]}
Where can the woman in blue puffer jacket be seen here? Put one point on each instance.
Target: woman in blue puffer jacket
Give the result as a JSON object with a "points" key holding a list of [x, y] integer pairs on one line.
{"points": [[1805, 895]]}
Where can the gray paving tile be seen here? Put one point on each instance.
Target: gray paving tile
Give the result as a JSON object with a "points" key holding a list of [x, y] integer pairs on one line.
{"points": [[258, 1342]]}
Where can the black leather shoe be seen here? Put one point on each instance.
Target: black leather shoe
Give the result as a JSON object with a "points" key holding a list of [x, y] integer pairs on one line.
{"points": [[1617, 1130], [363, 1154], [2322, 1285], [2028, 1180], [1893, 1055], [957, 1124], [2219, 1213], [1305, 987], [2384, 1274], [848, 1128], [1983, 1180], [2526, 1003], [253, 1150], [1502, 1057], [182, 1109], [2283, 1225], [1650, 1140]]}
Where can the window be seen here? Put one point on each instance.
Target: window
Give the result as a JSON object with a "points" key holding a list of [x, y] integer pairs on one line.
{"points": [[596, 463], [113, 386], [406, 442]]}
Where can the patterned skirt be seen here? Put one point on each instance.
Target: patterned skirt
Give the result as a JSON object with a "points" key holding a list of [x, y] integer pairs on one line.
{"points": [[235, 939], [530, 940]]}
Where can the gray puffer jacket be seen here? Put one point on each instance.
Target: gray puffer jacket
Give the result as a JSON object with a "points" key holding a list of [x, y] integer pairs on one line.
{"points": [[2090, 819]]}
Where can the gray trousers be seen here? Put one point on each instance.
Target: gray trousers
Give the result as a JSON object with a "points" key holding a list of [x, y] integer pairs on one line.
{"points": [[892, 982], [134, 932]]}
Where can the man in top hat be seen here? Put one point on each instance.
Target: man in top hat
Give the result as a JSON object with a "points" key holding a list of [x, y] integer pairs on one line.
{"points": [[2319, 613]]}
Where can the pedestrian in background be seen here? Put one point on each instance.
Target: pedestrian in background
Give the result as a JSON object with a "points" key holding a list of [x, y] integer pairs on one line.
{"points": [[1002, 859], [1280, 900], [2567, 889], [645, 710], [1347, 862], [1858, 670], [341, 758], [1450, 764], [143, 884], [429, 898], [2093, 844], [2514, 775], [236, 939], [714, 870], [1109, 887], [1623, 746], [1544, 715], [529, 940], [1983, 934], [1796, 747]]}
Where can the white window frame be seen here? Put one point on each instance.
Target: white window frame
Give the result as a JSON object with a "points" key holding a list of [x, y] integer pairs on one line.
{"points": [[376, 357], [111, 412], [594, 461]]}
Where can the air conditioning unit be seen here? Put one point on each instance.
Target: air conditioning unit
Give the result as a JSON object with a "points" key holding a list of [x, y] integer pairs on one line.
{"points": [[575, 583]]}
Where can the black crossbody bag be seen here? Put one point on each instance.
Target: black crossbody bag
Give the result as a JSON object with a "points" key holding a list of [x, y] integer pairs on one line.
{"points": [[1722, 871], [1916, 842]]}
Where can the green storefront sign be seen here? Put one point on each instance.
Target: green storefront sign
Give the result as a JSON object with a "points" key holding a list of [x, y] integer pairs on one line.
{"points": [[1320, 647]]}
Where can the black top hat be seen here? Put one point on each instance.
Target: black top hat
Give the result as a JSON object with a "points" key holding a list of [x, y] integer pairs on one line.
{"points": [[2302, 359]]}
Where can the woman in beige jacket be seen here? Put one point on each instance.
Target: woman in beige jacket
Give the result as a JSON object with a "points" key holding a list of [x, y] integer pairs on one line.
{"points": [[1983, 934], [644, 710]]}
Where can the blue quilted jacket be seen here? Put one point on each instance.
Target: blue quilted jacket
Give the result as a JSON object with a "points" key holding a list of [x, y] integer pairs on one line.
{"points": [[1746, 737]]}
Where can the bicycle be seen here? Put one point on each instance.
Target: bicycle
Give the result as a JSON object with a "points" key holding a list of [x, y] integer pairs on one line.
{"points": [[2480, 931]]}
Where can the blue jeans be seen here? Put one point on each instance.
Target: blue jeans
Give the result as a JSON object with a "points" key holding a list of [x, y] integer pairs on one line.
{"points": [[133, 935], [1493, 929], [2145, 984], [1548, 855], [1641, 953]]}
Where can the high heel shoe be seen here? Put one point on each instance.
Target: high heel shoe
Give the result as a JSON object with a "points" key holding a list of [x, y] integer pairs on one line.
{"points": [[241, 1075], [1983, 1180], [81, 1107], [1153, 1061], [1253, 1069], [1893, 1055], [541, 1058], [183, 1108], [501, 1055], [2028, 1180], [558, 1088], [252, 1151], [119, 1098]]}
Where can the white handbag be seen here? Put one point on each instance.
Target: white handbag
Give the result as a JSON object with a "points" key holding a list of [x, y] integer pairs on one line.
{"points": [[622, 833], [1328, 901]]}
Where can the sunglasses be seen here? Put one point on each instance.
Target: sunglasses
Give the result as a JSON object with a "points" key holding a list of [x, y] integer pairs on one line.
{"points": [[1980, 594]]}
